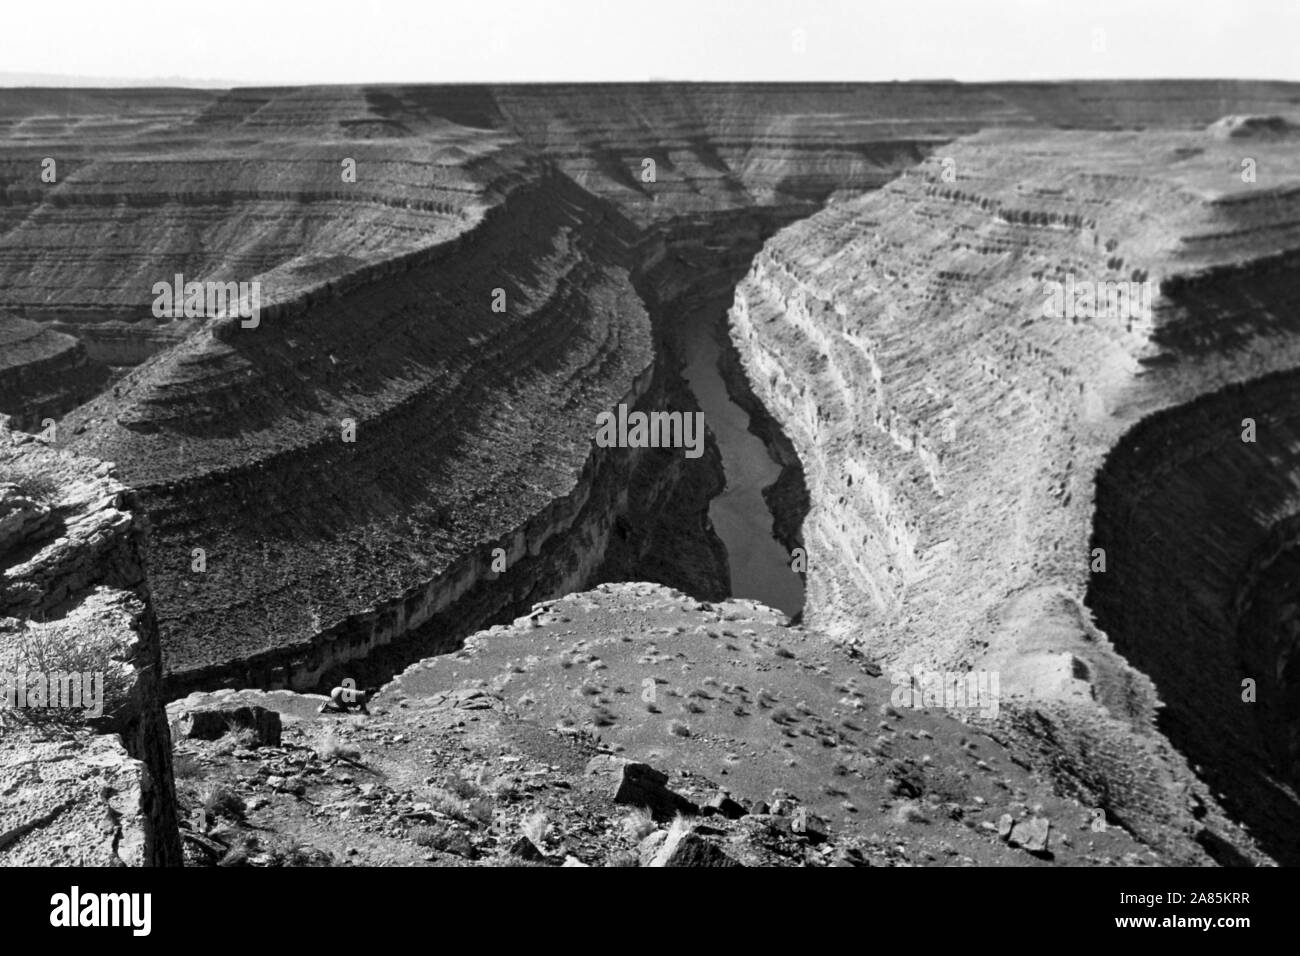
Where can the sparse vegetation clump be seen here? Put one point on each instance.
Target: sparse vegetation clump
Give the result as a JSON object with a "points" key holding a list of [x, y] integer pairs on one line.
{"points": [[77, 666], [220, 801], [331, 748], [536, 827], [236, 737], [444, 839], [301, 854], [910, 812], [638, 825], [463, 800], [32, 482]]}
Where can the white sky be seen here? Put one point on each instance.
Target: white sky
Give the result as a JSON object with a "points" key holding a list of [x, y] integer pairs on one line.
{"points": [[431, 41]]}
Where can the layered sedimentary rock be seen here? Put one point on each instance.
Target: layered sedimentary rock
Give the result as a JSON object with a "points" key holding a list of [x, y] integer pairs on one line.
{"points": [[43, 373], [280, 551], [991, 474], [426, 428], [73, 600], [105, 192]]}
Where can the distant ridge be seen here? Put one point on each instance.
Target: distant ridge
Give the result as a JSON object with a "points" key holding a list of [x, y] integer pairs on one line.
{"points": [[73, 82]]}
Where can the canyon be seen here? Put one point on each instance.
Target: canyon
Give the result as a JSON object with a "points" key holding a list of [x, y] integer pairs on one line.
{"points": [[457, 281]]}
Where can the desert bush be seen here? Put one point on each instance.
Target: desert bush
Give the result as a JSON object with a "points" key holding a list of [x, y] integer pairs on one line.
{"points": [[464, 788], [331, 748], [475, 808], [56, 650], [222, 801], [444, 839], [31, 482], [236, 737], [638, 825], [298, 853], [909, 812], [536, 828]]}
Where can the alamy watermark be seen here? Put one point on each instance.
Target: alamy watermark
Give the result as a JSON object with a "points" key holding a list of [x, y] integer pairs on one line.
{"points": [[651, 430], [66, 690], [949, 690], [1115, 299], [212, 300]]}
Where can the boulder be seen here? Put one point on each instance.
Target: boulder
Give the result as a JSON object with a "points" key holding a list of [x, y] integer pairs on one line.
{"points": [[723, 803], [526, 849], [640, 785], [683, 847], [849, 856], [214, 723], [809, 826], [1031, 834]]}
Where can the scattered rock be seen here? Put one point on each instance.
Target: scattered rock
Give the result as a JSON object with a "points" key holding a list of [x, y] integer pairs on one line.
{"points": [[723, 803], [640, 785], [682, 847], [1031, 834], [526, 849], [849, 856], [808, 826], [1005, 823]]}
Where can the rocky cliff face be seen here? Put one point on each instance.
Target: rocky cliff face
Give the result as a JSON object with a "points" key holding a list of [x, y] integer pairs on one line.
{"points": [[467, 393], [73, 597], [960, 495]]}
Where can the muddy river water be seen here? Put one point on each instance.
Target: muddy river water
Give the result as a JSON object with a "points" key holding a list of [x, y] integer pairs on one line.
{"points": [[760, 566]]}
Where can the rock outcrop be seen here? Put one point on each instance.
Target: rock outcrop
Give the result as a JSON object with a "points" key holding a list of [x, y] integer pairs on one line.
{"points": [[73, 601], [591, 729]]}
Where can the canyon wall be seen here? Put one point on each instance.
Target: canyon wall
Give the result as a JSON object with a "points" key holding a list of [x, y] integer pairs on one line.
{"points": [[471, 397], [44, 374], [1064, 497], [74, 597]]}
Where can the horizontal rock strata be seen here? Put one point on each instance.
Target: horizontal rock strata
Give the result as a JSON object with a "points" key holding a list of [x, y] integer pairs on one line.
{"points": [[966, 452]]}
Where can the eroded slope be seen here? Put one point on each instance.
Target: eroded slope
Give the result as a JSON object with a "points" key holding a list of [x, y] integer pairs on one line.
{"points": [[956, 496]]}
